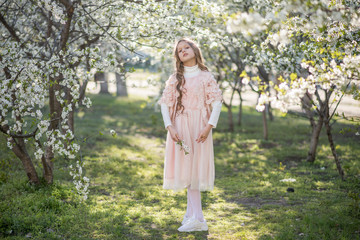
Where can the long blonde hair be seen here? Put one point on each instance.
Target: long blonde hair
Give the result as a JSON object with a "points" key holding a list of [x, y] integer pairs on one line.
{"points": [[179, 69]]}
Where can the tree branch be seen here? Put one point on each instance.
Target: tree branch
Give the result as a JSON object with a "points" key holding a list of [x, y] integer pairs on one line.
{"points": [[9, 28]]}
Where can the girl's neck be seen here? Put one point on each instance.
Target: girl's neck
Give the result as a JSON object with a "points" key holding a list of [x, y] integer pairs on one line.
{"points": [[191, 71]]}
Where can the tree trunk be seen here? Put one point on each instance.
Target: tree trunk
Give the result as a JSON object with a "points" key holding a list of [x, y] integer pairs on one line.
{"points": [[20, 151], [231, 122], [71, 120], [331, 141], [55, 106], [101, 77], [121, 89], [264, 75], [269, 111], [55, 115], [48, 165], [315, 139], [306, 106], [240, 110], [69, 98], [265, 126], [333, 150], [83, 91]]}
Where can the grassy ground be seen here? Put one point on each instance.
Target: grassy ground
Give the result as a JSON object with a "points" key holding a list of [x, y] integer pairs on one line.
{"points": [[127, 201]]}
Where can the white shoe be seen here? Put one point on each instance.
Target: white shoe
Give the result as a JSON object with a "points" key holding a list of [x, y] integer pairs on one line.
{"points": [[185, 219], [193, 225]]}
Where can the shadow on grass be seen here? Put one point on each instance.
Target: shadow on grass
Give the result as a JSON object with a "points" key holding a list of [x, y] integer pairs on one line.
{"points": [[128, 169], [249, 198], [249, 173], [127, 201]]}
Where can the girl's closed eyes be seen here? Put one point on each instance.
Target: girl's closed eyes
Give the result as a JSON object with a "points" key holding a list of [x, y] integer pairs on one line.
{"points": [[185, 48]]}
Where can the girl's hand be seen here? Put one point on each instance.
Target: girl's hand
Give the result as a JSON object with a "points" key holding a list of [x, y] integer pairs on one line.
{"points": [[204, 134], [173, 133]]}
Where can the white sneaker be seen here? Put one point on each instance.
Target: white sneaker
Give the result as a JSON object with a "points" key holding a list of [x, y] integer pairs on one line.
{"points": [[185, 219], [193, 225]]}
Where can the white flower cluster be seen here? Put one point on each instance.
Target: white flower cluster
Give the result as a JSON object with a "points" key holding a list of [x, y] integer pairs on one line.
{"points": [[9, 144], [55, 10], [26, 92], [184, 147], [39, 153], [289, 94], [87, 102], [55, 139], [81, 182], [43, 126], [280, 37], [247, 23]]}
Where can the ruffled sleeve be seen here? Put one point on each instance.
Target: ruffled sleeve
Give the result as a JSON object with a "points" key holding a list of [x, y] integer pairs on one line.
{"points": [[212, 90], [168, 95]]}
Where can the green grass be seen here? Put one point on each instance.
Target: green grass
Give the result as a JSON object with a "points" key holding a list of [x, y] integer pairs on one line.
{"points": [[127, 201]]}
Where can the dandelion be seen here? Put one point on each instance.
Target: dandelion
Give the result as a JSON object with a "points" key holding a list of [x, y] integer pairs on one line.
{"points": [[113, 133]]}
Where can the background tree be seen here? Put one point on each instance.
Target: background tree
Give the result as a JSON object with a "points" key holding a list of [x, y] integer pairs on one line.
{"points": [[321, 38], [48, 54]]}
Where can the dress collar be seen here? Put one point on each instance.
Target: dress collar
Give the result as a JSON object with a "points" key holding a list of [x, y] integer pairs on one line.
{"points": [[192, 69]]}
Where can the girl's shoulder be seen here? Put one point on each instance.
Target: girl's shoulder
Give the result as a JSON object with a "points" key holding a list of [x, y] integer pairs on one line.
{"points": [[206, 75], [171, 79]]}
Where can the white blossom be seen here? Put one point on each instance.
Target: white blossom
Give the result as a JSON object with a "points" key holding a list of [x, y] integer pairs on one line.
{"points": [[81, 182], [288, 180]]}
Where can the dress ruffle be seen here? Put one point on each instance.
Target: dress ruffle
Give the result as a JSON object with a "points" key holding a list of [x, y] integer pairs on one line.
{"points": [[169, 94], [212, 90]]}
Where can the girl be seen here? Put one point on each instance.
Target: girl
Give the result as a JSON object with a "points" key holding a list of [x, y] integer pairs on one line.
{"points": [[190, 106]]}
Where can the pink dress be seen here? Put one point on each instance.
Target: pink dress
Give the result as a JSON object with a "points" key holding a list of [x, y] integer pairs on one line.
{"points": [[196, 168]]}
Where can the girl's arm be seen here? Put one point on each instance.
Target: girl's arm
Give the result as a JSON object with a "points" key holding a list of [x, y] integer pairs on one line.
{"points": [[214, 117], [165, 114], [215, 113], [167, 122]]}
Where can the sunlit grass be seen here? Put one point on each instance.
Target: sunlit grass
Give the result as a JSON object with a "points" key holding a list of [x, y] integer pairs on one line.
{"points": [[127, 201]]}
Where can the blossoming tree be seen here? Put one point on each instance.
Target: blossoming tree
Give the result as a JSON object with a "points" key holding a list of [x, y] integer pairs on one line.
{"points": [[49, 51], [313, 48]]}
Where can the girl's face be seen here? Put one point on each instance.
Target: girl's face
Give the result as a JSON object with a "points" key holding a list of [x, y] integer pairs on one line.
{"points": [[185, 52]]}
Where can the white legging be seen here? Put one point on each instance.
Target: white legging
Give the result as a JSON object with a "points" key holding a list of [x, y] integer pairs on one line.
{"points": [[194, 204]]}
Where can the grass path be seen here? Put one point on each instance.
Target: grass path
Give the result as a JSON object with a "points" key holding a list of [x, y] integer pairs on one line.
{"points": [[127, 200]]}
